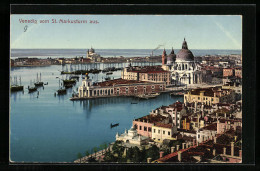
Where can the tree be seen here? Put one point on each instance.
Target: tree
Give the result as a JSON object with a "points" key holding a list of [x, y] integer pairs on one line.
{"points": [[87, 153], [153, 152], [95, 149], [79, 157]]}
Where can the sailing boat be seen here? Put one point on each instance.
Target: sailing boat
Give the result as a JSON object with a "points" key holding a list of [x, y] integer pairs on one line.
{"points": [[61, 90], [15, 86], [31, 88], [38, 82]]}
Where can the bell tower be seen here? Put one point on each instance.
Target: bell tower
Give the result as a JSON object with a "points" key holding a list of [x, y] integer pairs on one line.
{"points": [[164, 55]]}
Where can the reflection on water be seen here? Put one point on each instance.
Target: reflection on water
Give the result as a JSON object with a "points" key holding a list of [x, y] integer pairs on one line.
{"points": [[42, 128]]}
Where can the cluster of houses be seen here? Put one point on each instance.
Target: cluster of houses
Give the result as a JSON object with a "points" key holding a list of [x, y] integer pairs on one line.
{"points": [[211, 132]]}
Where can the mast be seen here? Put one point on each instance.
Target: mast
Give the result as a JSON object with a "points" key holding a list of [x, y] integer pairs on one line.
{"points": [[37, 78], [20, 81], [40, 76]]}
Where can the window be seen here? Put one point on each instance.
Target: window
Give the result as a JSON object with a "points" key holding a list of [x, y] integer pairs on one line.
{"points": [[198, 98], [149, 129], [198, 135], [163, 132], [169, 133], [135, 126], [158, 139], [145, 128], [158, 131], [140, 127], [154, 130]]}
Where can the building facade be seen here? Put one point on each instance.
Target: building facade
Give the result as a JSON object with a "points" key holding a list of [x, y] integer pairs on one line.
{"points": [[210, 96], [118, 87], [184, 69], [146, 73]]}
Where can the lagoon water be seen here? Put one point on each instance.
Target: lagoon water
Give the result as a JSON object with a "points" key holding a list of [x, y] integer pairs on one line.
{"points": [[55, 129]]}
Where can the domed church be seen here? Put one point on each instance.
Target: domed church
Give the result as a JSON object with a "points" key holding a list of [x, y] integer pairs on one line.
{"points": [[184, 69]]}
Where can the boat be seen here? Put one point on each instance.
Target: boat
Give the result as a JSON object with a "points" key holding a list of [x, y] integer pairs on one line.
{"points": [[107, 78], [180, 93], [148, 96], [74, 77], [31, 88], [109, 73], [15, 86], [70, 81], [61, 91], [114, 125], [38, 82], [68, 85]]}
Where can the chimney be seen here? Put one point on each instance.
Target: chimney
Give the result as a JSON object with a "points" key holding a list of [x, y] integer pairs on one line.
{"points": [[240, 153], [172, 149], [149, 160], [214, 152], [232, 148], [215, 140], [177, 147], [224, 150], [194, 141], [161, 154], [179, 156]]}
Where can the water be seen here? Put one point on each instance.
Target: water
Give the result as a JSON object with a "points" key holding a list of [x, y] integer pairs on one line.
{"points": [[44, 53], [55, 129]]}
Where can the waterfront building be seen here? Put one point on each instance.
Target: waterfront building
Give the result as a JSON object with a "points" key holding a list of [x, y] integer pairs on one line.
{"points": [[209, 96], [144, 124], [132, 137], [118, 87], [93, 56], [146, 73], [184, 69]]}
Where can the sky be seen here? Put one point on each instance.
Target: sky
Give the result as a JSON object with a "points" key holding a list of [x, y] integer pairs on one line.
{"points": [[127, 32]]}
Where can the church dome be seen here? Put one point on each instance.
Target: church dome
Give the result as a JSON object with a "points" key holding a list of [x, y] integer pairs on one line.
{"points": [[185, 54], [92, 50], [171, 57]]}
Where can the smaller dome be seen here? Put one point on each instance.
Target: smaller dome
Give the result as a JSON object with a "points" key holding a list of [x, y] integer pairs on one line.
{"points": [[132, 129], [92, 50]]}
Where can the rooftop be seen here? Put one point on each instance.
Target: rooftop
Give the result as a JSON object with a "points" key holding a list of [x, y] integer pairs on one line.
{"points": [[151, 118], [118, 82]]}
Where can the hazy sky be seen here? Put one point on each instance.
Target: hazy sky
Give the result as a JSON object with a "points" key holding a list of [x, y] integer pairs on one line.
{"points": [[128, 32]]}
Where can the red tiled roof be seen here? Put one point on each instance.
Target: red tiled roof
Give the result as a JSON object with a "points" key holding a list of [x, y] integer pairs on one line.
{"points": [[117, 82], [158, 124], [211, 127], [151, 118]]}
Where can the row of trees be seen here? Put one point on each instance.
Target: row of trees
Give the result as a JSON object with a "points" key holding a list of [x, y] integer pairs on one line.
{"points": [[133, 154], [93, 150]]}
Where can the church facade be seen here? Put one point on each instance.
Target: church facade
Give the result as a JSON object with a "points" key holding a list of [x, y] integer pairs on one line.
{"points": [[183, 68]]}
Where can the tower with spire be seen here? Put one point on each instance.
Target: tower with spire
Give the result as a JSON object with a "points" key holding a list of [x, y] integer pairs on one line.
{"points": [[164, 56]]}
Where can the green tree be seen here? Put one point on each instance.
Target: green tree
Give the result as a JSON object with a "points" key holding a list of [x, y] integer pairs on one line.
{"points": [[153, 152], [79, 157], [95, 149], [87, 153]]}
